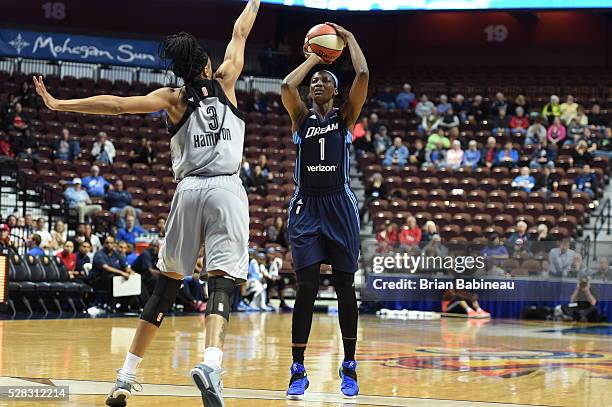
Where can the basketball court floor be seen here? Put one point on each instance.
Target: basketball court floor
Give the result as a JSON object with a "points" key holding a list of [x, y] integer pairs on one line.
{"points": [[440, 363]]}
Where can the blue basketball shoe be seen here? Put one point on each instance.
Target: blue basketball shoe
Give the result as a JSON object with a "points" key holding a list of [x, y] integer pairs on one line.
{"points": [[348, 374], [298, 382]]}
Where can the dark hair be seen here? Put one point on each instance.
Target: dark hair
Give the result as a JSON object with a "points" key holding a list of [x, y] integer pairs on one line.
{"points": [[186, 55]]}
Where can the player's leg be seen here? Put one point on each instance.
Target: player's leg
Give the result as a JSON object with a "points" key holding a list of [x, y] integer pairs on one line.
{"points": [[178, 252], [226, 233], [308, 280]]}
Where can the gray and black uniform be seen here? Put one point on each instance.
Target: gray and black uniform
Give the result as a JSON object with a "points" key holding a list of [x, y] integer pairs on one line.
{"points": [[210, 205]]}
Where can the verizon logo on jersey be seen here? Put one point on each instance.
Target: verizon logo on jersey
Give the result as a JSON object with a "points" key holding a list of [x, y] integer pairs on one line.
{"points": [[322, 168], [316, 131]]}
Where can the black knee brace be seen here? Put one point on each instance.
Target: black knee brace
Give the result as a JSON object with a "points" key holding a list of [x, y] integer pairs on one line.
{"points": [[164, 294], [220, 290]]}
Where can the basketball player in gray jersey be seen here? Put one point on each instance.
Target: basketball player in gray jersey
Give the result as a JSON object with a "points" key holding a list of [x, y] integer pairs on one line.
{"points": [[210, 205]]}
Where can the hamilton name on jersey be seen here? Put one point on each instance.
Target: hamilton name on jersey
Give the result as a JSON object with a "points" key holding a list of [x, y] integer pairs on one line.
{"points": [[317, 131], [211, 139]]}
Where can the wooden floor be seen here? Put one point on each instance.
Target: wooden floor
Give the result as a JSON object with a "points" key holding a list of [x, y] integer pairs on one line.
{"points": [[441, 363]]}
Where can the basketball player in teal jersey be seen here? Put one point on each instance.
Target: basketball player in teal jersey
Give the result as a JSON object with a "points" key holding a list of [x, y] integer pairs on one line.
{"points": [[210, 205], [323, 221]]}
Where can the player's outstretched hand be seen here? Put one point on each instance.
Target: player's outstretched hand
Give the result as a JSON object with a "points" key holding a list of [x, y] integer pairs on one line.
{"points": [[49, 100], [318, 60], [342, 32]]}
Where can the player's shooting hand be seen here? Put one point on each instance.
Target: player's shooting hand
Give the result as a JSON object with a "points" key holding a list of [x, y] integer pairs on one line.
{"points": [[317, 59], [342, 32], [41, 89]]}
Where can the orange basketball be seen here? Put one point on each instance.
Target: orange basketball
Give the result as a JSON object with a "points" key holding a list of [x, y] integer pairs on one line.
{"points": [[323, 40]]}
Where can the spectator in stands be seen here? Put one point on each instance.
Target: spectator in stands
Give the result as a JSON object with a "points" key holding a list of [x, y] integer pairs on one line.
{"points": [[68, 257], [131, 231], [603, 269], [581, 155], [258, 102], [520, 101], [78, 199], [11, 221], [95, 184], [410, 234], [460, 106], [500, 123], [437, 156], [160, 226], [386, 98], [360, 129], [575, 132], [374, 190], [500, 103], [17, 120], [257, 183], [428, 232], [262, 161], [586, 182], [27, 96], [536, 133], [495, 251], [543, 156], [397, 154], [365, 144], [25, 145], [387, 237], [103, 150], [581, 117], [91, 237], [604, 144], [146, 265], [519, 241], [508, 156], [568, 109], [382, 141], [6, 150], [127, 211], [519, 122], [444, 105], [425, 107], [144, 153], [477, 110], [46, 240], [548, 181], [127, 250], [562, 259], [108, 263], [543, 242], [417, 157], [435, 247], [118, 198], [552, 109], [524, 181], [454, 156], [405, 99], [65, 148], [274, 280], [29, 222], [472, 155], [34, 248], [449, 119], [429, 124], [488, 156], [438, 137], [5, 238], [245, 172], [277, 232], [597, 120], [84, 257], [374, 124]]}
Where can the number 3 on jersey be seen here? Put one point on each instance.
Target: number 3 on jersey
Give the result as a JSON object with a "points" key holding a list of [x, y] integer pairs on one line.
{"points": [[322, 142]]}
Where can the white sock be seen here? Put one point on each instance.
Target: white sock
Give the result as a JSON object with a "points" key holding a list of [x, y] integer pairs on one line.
{"points": [[213, 357], [128, 371], [479, 309]]}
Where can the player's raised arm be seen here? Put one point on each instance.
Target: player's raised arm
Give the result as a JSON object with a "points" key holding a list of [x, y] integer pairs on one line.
{"points": [[289, 90], [359, 88], [233, 62], [164, 98]]}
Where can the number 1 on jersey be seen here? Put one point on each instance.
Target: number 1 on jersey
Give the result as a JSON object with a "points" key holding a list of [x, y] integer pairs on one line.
{"points": [[322, 142]]}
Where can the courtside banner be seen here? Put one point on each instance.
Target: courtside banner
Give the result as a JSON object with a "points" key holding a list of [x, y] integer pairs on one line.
{"points": [[79, 48]]}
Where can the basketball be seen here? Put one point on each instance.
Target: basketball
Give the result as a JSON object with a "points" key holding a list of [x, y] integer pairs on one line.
{"points": [[323, 40]]}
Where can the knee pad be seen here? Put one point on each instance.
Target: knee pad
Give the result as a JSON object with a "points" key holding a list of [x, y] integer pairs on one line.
{"points": [[164, 294], [220, 291]]}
